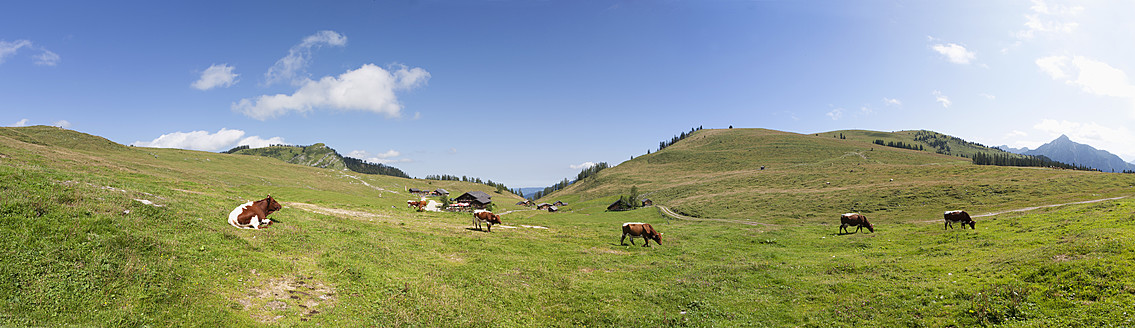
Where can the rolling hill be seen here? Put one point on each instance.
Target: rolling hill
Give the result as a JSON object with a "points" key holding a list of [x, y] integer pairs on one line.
{"points": [[93, 233], [780, 177], [321, 156]]}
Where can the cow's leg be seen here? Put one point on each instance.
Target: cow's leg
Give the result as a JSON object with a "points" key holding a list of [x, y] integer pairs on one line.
{"points": [[843, 228], [623, 240], [490, 225], [947, 225], [632, 240]]}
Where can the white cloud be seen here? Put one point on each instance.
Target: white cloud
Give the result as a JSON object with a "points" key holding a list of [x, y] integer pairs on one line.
{"points": [[203, 140], [23, 122], [369, 88], [583, 165], [1016, 134], [940, 98], [1093, 77], [1115, 140], [383, 158], [258, 142], [1054, 66], [10, 48], [892, 102], [216, 76], [836, 114], [46, 58], [299, 56], [62, 123], [196, 140], [987, 96], [1049, 18], [955, 53]]}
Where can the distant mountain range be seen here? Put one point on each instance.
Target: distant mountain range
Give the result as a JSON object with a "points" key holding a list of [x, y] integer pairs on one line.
{"points": [[1065, 150], [530, 191]]}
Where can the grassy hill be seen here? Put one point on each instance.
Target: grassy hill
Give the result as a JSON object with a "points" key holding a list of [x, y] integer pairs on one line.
{"points": [[79, 247], [810, 178], [321, 156]]}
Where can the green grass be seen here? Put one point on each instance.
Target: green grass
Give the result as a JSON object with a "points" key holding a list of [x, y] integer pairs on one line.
{"points": [[72, 255]]}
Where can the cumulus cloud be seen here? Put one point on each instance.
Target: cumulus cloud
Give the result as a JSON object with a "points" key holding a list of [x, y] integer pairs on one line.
{"points": [[23, 122], [62, 123], [1048, 17], [299, 56], [583, 165], [203, 140], [942, 99], [892, 102], [381, 158], [836, 113], [216, 76], [955, 53], [1113, 139], [368, 88], [258, 142], [45, 58], [1091, 76]]}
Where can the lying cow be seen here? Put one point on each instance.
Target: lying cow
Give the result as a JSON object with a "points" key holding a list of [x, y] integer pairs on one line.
{"points": [[854, 219], [486, 217], [959, 217], [254, 215], [639, 229]]}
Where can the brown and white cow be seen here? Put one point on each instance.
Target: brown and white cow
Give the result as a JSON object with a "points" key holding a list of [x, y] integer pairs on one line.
{"points": [[958, 217], [639, 229], [254, 215], [854, 219], [486, 217]]}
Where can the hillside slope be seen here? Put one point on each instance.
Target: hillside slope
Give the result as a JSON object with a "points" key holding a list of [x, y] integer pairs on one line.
{"points": [[321, 156], [96, 234], [780, 177]]}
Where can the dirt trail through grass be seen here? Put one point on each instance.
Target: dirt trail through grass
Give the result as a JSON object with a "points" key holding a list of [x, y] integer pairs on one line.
{"points": [[666, 211], [1034, 208]]}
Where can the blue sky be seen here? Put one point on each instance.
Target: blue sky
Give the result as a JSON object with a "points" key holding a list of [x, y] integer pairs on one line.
{"points": [[525, 92]]}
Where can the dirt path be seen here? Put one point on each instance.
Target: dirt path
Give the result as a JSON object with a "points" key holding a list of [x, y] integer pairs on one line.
{"points": [[666, 211], [1035, 208]]}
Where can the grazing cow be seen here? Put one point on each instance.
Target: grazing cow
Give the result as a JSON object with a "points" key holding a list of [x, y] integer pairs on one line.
{"points": [[639, 229], [420, 204], [854, 219], [254, 215], [959, 217], [486, 217]]}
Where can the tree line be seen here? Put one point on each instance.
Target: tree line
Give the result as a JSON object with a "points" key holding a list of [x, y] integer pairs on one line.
{"points": [[362, 166], [675, 139], [583, 174], [1026, 160], [500, 186], [898, 144]]}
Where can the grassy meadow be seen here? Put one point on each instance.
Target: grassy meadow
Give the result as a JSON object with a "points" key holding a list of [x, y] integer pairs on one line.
{"points": [[79, 247]]}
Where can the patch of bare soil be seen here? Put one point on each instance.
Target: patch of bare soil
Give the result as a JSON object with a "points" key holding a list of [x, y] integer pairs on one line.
{"points": [[334, 211], [278, 298]]}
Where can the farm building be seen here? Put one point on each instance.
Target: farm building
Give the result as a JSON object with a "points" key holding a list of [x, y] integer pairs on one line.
{"points": [[441, 192], [543, 206], [619, 205], [417, 191], [553, 208], [559, 203], [647, 202], [476, 199]]}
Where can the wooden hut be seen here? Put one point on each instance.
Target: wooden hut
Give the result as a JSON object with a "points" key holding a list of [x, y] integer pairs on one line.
{"points": [[476, 199]]}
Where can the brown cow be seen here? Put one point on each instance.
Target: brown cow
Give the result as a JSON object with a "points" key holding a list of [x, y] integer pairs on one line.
{"points": [[959, 217], [418, 204], [486, 217], [854, 219], [639, 229], [253, 215]]}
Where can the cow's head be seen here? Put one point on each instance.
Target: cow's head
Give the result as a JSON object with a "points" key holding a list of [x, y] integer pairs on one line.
{"points": [[657, 237], [272, 205], [972, 225]]}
